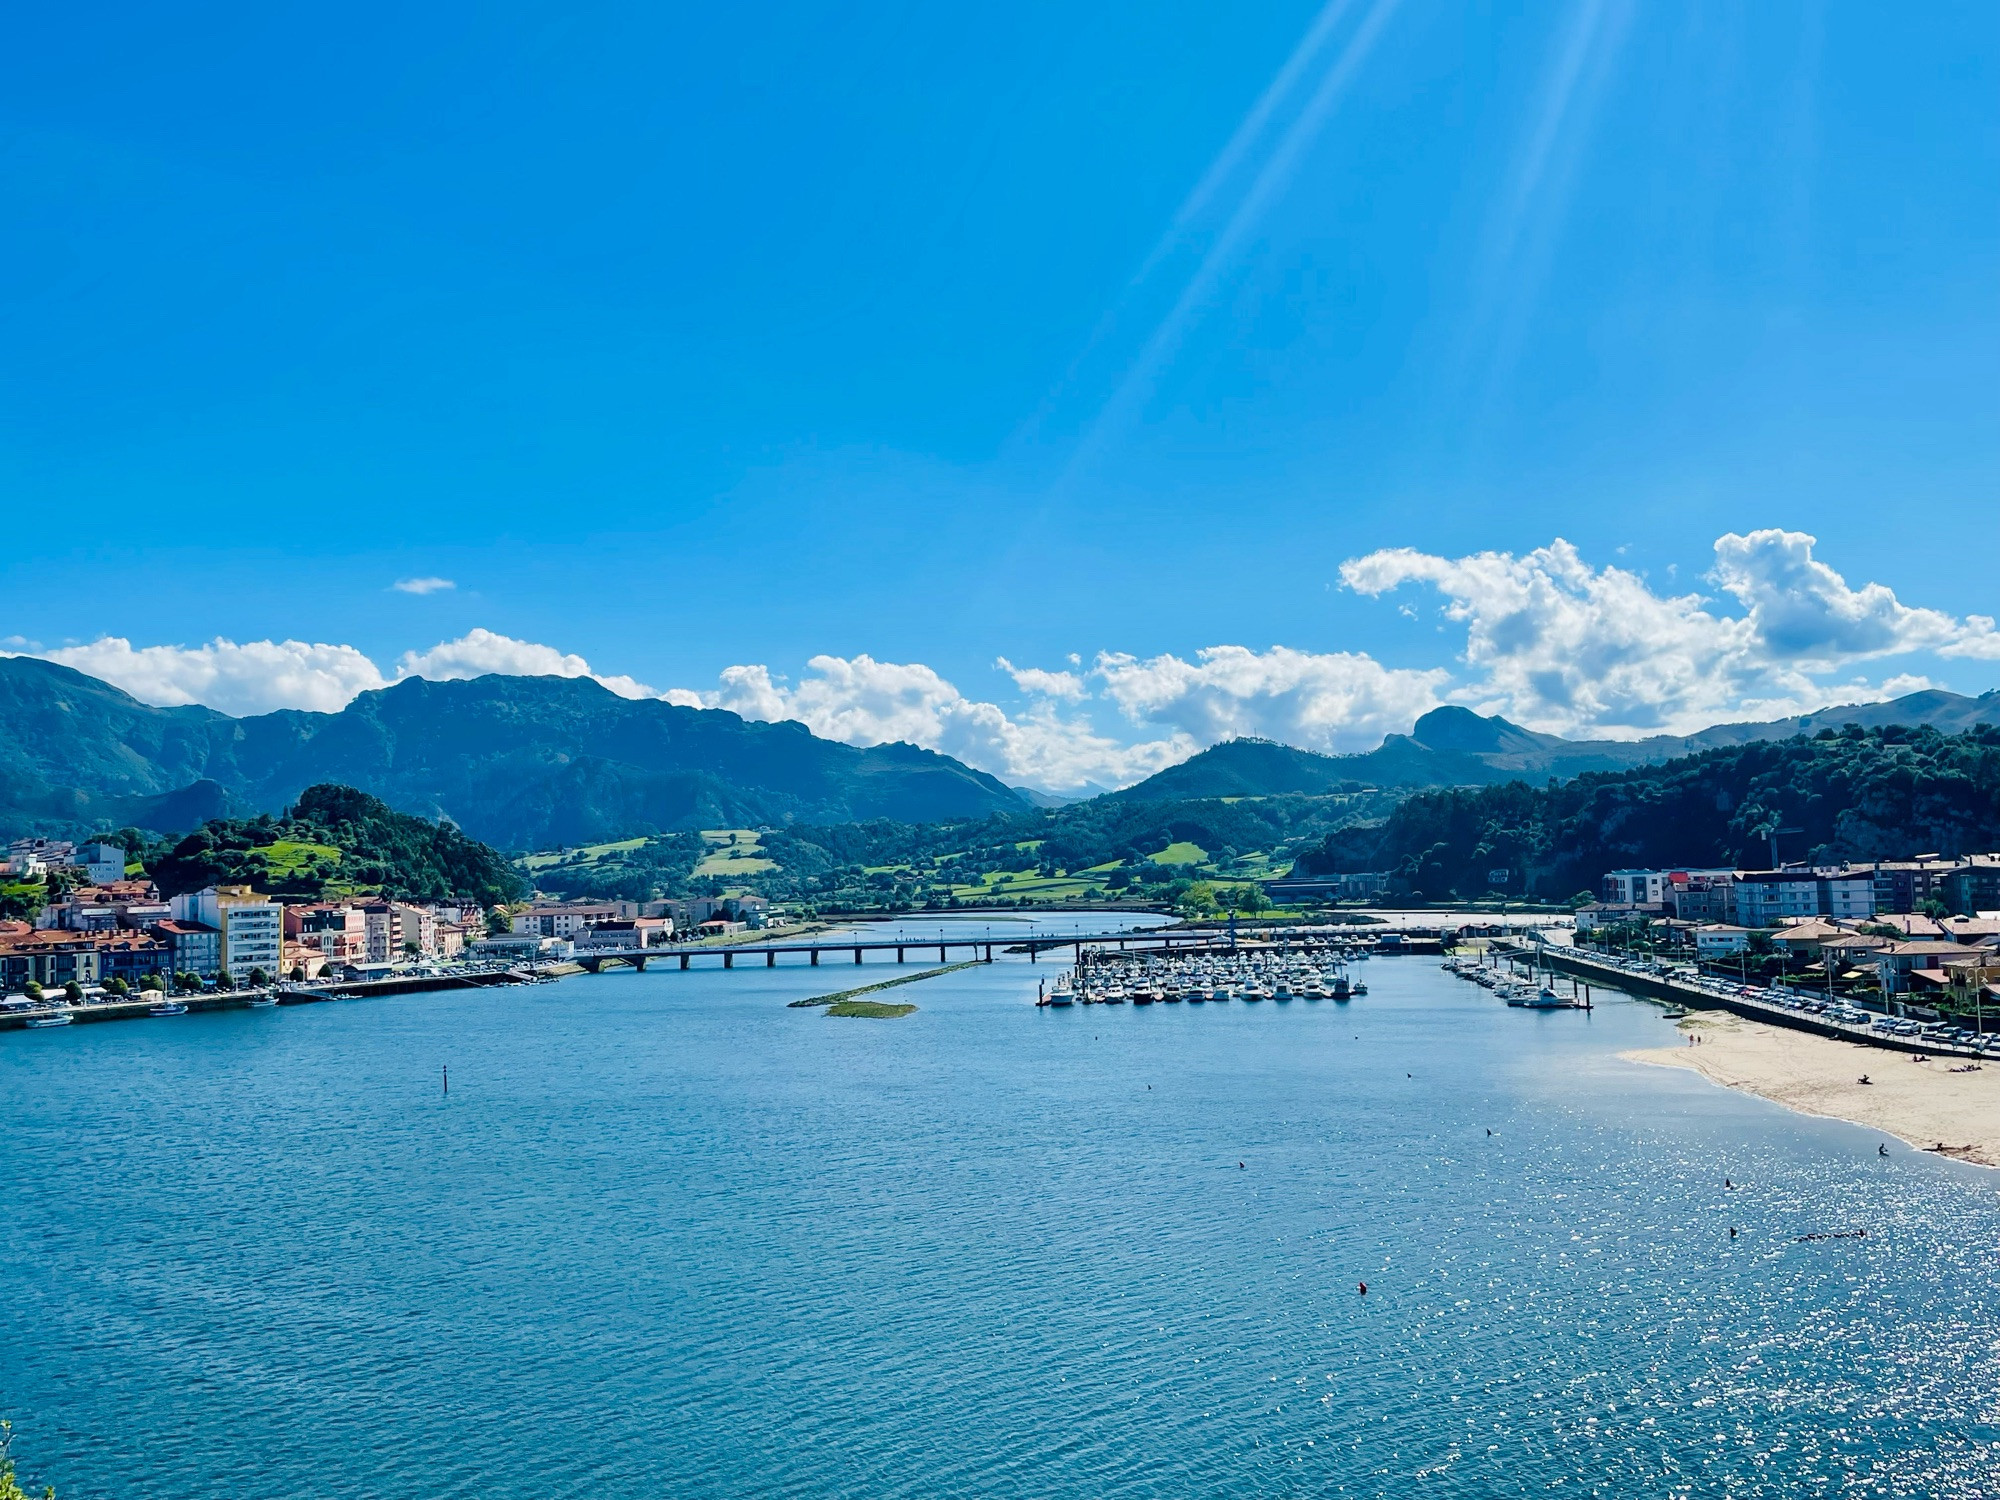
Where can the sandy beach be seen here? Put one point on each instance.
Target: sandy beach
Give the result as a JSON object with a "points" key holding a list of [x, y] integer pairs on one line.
{"points": [[1922, 1103]]}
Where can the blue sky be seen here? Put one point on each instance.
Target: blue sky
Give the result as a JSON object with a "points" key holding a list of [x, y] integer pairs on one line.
{"points": [[688, 342]]}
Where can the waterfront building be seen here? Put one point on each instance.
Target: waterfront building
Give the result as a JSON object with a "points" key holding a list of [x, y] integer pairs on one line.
{"points": [[133, 956], [252, 928], [570, 919], [1720, 940], [50, 959], [419, 925], [1906, 885], [194, 947], [1896, 962]]}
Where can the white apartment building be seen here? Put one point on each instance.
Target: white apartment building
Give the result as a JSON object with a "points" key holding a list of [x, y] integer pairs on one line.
{"points": [[571, 919], [253, 937], [252, 929], [419, 925]]}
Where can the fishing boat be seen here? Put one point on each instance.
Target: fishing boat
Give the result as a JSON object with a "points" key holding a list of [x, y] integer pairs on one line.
{"points": [[51, 1018], [1343, 987], [261, 1000], [166, 1008], [1062, 994]]}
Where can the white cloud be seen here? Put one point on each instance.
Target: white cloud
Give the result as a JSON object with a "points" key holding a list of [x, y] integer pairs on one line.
{"points": [[1328, 701], [479, 652], [861, 701], [1067, 686], [422, 585], [252, 678], [1550, 641], [1559, 645]]}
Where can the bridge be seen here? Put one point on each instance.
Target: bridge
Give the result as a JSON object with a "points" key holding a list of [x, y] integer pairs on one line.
{"points": [[980, 948]]}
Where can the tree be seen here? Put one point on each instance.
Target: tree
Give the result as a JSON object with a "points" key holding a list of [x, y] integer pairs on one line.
{"points": [[152, 982], [117, 986], [73, 992], [32, 990], [298, 973], [258, 978], [498, 922], [411, 948], [10, 1486]]}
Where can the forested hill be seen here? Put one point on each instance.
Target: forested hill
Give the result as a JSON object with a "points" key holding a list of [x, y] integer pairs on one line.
{"points": [[1456, 747], [1854, 794], [334, 841], [525, 762]]}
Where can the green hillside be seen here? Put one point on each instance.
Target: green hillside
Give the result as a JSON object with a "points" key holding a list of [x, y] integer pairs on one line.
{"points": [[522, 762], [334, 841], [1852, 794]]}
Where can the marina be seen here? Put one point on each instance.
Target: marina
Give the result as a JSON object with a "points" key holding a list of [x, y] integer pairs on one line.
{"points": [[1316, 972]]}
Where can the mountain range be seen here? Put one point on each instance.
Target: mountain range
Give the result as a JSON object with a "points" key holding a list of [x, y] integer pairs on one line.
{"points": [[536, 762], [520, 762], [1457, 747]]}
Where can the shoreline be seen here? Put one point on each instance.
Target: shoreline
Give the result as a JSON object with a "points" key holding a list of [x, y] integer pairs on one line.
{"points": [[1923, 1104]]}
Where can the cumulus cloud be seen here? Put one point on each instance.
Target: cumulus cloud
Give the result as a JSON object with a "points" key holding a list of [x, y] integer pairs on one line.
{"points": [[422, 585], [250, 678], [1328, 701], [1044, 684], [1549, 640], [861, 701], [480, 651], [1562, 646]]}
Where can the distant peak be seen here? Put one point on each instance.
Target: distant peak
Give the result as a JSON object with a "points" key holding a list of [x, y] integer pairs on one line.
{"points": [[1455, 728]]}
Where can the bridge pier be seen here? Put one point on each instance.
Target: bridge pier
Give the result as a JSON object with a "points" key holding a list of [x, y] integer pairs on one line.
{"points": [[989, 953], [899, 955], [815, 958], [728, 959], [940, 952], [639, 964], [857, 955], [771, 959], [684, 960]]}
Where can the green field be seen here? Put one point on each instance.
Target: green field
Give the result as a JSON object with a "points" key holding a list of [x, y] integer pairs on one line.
{"points": [[590, 852], [1181, 854], [289, 856], [737, 852]]}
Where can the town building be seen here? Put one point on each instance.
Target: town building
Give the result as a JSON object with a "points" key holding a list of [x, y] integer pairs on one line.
{"points": [[50, 959], [570, 919], [1908, 885], [418, 925], [1764, 898], [252, 928], [1720, 940], [1897, 961], [101, 863], [194, 947]]}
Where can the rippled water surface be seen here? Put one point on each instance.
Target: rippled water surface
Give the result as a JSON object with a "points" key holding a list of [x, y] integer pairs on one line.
{"points": [[667, 1237]]}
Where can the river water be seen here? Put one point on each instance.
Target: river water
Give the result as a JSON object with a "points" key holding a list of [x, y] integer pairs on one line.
{"points": [[666, 1237]]}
